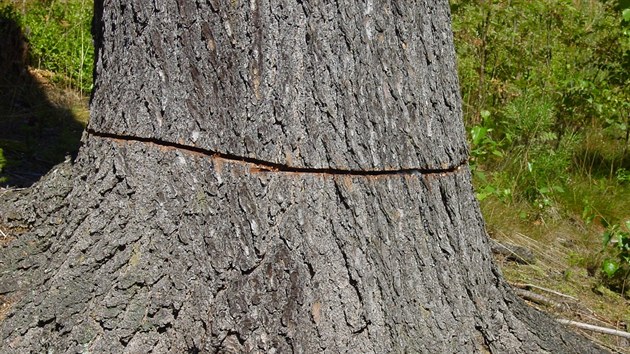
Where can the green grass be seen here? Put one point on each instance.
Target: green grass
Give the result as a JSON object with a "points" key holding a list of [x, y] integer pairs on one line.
{"points": [[42, 113], [546, 98], [59, 38]]}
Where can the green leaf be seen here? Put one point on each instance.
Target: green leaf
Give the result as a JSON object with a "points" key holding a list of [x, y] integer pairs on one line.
{"points": [[626, 15], [481, 175], [558, 189], [610, 267], [485, 192], [481, 196], [478, 133], [607, 237]]}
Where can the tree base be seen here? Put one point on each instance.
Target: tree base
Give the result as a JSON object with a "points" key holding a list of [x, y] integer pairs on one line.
{"points": [[139, 247]]}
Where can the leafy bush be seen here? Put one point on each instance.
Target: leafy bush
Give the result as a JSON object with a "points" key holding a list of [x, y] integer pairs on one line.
{"points": [[59, 39], [616, 267], [539, 78]]}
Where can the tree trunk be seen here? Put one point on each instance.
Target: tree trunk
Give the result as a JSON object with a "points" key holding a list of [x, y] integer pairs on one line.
{"points": [[265, 177]]}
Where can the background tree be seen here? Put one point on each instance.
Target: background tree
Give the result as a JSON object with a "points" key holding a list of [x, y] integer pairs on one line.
{"points": [[265, 177]]}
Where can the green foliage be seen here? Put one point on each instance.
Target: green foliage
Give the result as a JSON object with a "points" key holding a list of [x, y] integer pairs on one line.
{"points": [[481, 141], [60, 40], [3, 161], [623, 175], [8, 14], [546, 99], [539, 78], [616, 267]]}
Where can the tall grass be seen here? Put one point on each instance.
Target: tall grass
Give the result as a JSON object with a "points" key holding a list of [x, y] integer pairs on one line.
{"points": [[543, 78], [546, 93], [59, 38]]}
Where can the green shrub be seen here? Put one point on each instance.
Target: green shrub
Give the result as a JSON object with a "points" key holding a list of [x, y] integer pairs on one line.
{"points": [[59, 36], [616, 267], [538, 78]]}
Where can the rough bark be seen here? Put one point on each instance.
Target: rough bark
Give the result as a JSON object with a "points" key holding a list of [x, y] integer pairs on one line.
{"points": [[301, 83], [158, 248], [302, 187]]}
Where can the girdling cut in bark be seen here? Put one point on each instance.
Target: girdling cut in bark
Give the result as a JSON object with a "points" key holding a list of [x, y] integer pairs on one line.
{"points": [[257, 165], [164, 251], [315, 84]]}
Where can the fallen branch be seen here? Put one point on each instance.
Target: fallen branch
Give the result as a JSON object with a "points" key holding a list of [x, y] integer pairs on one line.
{"points": [[536, 298], [599, 329], [532, 286]]}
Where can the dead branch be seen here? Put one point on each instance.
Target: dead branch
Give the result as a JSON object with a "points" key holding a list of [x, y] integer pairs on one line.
{"points": [[532, 286], [536, 298], [593, 328]]}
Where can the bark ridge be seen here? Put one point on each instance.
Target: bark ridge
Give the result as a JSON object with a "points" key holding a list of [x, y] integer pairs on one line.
{"points": [[164, 250], [347, 85]]}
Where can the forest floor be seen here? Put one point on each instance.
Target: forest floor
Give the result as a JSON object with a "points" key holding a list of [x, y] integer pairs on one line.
{"points": [[41, 122], [562, 277]]}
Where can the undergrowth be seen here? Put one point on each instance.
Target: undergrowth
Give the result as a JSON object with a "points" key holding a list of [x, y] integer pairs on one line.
{"points": [[45, 74], [546, 94], [59, 38]]}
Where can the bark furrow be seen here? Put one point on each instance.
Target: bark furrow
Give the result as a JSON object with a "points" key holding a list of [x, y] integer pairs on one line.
{"points": [[147, 249]]}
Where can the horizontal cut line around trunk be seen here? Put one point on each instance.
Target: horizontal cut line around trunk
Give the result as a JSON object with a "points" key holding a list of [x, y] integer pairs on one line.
{"points": [[269, 167]]}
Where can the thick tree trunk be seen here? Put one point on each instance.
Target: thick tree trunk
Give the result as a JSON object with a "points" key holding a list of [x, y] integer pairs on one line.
{"points": [[265, 177]]}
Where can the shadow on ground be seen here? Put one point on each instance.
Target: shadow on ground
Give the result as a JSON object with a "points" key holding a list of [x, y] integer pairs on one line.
{"points": [[40, 124]]}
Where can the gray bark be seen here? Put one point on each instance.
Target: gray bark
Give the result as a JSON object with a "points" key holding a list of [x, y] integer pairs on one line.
{"points": [[300, 83], [256, 177]]}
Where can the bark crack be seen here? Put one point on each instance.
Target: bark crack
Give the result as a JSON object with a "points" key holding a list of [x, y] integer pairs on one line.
{"points": [[262, 166]]}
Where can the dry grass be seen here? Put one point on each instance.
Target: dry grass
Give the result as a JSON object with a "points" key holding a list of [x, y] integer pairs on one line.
{"points": [[567, 262], [40, 123]]}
